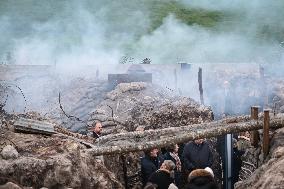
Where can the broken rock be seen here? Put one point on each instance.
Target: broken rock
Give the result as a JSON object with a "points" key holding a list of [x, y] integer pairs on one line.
{"points": [[9, 152]]}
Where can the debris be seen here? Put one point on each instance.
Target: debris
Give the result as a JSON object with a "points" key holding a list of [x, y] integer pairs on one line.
{"points": [[34, 126], [9, 152]]}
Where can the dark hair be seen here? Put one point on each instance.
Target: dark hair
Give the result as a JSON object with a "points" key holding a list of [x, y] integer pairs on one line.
{"points": [[171, 148], [147, 152]]}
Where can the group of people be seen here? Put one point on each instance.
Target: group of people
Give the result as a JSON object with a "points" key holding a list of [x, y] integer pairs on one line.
{"points": [[163, 171], [192, 163]]}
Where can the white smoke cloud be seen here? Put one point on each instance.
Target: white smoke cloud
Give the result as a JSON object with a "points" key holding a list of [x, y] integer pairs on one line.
{"points": [[175, 41], [96, 32]]}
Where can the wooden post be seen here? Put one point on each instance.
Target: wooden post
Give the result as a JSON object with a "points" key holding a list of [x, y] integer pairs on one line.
{"points": [[200, 85], [254, 134], [265, 146]]}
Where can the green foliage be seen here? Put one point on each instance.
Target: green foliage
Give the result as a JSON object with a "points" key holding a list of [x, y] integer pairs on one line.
{"points": [[189, 16]]}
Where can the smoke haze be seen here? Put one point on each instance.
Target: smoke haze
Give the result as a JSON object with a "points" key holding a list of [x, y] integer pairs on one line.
{"points": [[101, 32]]}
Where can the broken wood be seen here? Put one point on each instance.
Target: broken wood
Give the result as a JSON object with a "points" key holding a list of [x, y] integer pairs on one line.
{"points": [[143, 140]]}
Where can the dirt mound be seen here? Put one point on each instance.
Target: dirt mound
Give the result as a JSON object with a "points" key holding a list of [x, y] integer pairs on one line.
{"points": [[135, 104], [53, 162]]}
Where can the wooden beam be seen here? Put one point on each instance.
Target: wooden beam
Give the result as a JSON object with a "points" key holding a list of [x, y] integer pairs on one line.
{"points": [[144, 140], [265, 146]]}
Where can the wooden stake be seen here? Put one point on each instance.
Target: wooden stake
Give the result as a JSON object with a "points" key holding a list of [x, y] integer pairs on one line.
{"points": [[200, 85], [254, 134], [266, 124]]}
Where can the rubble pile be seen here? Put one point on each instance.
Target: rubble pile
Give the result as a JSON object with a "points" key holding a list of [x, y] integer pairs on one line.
{"points": [[131, 105], [79, 98], [55, 161]]}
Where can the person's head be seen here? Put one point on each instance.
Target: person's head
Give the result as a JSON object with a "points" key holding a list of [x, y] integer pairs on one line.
{"points": [[153, 152], [199, 141], [201, 178], [168, 165], [173, 148], [97, 127]]}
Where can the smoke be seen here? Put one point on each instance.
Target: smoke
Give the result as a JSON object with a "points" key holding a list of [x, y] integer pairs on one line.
{"points": [[101, 32], [72, 34], [176, 42]]}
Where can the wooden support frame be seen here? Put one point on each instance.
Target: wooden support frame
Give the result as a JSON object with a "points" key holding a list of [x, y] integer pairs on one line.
{"points": [[254, 134], [266, 125]]}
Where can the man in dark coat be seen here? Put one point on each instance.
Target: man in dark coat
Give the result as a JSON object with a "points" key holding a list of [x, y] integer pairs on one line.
{"points": [[197, 155], [149, 164], [163, 177]]}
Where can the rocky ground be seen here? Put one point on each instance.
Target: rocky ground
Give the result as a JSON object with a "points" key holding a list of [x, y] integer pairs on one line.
{"points": [[34, 160]]}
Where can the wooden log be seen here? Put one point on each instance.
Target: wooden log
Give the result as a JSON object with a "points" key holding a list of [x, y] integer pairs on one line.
{"points": [[139, 140], [265, 146], [254, 134]]}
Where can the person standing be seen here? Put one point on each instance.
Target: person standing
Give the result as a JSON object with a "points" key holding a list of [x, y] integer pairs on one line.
{"points": [[149, 164], [172, 154], [197, 155]]}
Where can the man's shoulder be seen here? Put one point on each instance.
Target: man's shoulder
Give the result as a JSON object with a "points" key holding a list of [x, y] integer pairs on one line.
{"points": [[146, 160], [191, 143]]}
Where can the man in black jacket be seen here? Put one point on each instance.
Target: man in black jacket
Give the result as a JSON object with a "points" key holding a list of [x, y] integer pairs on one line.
{"points": [[197, 155], [96, 129], [149, 164]]}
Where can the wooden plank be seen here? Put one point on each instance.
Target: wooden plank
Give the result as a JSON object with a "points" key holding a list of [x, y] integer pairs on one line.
{"points": [[34, 126]]}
